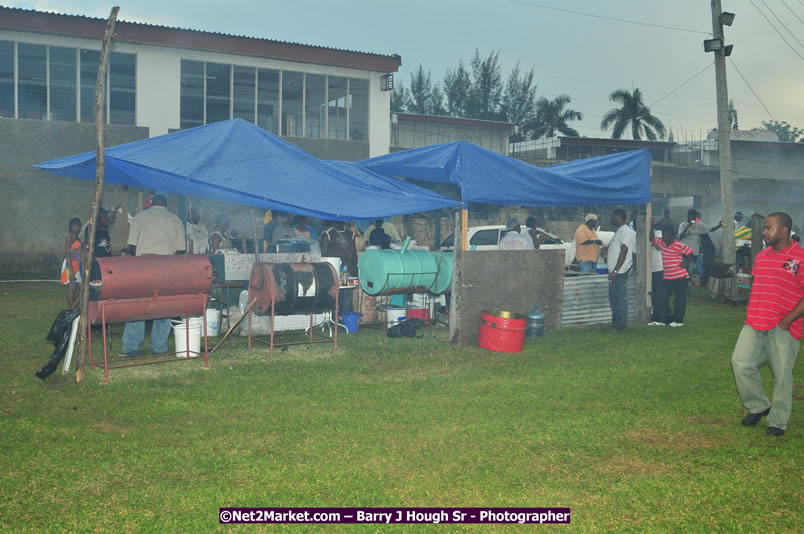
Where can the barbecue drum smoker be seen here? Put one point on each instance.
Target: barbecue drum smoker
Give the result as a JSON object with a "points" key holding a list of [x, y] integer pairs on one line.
{"points": [[293, 288], [148, 287]]}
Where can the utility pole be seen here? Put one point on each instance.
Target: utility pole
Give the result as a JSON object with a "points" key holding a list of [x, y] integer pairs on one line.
{"points": [[724, 139]]}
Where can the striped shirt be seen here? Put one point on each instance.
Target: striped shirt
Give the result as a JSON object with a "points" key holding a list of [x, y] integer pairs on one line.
{"points": [[671, 258], [777, 289]]}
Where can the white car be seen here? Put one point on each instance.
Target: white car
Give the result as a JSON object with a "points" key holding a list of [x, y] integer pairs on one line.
{"points": [[488, 238]]}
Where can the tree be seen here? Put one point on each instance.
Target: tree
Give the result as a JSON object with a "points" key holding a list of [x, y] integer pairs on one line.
{"points": [[457, 89], [400, 98], [487, 87], [519, 100], [784, 131], [425, 97], [634, 113], [552, 116], [733, 116]]}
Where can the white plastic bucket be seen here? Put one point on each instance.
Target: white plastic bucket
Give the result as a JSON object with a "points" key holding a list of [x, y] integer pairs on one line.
{"points": [[180, 334], [394, 315], [213, 322]]}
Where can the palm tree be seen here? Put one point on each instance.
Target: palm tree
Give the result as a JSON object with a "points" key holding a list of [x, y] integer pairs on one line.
{"points": [[634, 112], [552, 117]]}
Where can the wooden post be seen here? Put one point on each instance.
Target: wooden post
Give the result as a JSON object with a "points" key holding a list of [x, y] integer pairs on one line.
{"points": [[643, 265], [757, 227], [100, 163], [457, 266], [139, 201], [464, 228], [256, 244], [124, 218]]}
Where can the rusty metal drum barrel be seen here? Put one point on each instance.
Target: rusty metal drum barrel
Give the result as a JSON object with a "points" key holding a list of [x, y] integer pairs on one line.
{"points": [[130, 277], [294, 287]]}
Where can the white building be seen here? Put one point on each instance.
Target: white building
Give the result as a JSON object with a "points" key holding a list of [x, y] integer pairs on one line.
{"points": [[335, 104], [169, 78]]}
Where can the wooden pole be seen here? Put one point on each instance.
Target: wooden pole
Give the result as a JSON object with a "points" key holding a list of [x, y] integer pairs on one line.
{"points": [[256, 244], [643, 264], [455, 299], [724, 141], [464, 228], [100, 163]]}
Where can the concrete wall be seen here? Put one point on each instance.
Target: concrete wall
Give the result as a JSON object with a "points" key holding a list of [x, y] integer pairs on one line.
{"points": [[36, 205], [418, 133], [511, 280]]}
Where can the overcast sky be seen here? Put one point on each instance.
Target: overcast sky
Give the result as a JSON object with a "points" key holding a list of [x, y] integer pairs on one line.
{"points": [[583, 56]]}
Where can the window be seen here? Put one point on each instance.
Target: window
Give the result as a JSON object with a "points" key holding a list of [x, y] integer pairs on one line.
{"points": [[218, 92], [192, 94], [268, 100], [244, 93], [292, 83], [336, 107], [122, 88], [485, 237], [63, 84], [6, 79], [32, 81], [314, 109], [358, 110], [90, 61]]}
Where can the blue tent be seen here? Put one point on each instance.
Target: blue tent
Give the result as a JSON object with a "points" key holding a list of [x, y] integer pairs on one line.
{"points": [[236, 161], [488, 177]]}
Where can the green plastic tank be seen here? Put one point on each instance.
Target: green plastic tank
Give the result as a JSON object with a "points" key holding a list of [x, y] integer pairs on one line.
{"points": [[393, 271], [444, 263]]}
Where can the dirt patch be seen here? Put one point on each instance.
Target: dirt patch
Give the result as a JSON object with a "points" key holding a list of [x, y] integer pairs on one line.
{"points": [[711, 421], [681, 441], [629, 466], [106, 427]]}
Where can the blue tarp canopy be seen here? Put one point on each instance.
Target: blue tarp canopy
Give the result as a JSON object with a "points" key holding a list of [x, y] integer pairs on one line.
{"points": [[236, 161], [488, 177]]}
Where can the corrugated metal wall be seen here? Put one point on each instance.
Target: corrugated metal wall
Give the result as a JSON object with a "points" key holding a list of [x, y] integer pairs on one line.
{"points": [[586, 300]]}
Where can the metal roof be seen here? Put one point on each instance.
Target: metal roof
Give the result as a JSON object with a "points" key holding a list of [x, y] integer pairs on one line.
{"points": [[138, 32], [458, 121]]}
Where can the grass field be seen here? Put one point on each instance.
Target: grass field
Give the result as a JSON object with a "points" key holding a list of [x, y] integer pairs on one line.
{"points": [[638, 431]]}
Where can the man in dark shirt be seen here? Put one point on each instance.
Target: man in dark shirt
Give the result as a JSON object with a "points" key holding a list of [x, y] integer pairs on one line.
{"points": [[339, 241]]}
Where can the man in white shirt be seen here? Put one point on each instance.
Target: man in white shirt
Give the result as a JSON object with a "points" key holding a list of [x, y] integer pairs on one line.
{"points": [[620, 252], [514, 240], [152, 231], [197, 234]]}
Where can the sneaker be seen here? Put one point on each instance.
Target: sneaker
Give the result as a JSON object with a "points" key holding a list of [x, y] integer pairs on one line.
{"points": [[674, 325], [655, 323], [129, 354], [753, 418], [775, 431]]}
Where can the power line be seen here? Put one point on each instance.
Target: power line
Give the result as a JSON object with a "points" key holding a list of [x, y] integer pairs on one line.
{"points": [[793, 12], [685, 83], [609, 18], [777, 30], [751, 88], [782, 23]]}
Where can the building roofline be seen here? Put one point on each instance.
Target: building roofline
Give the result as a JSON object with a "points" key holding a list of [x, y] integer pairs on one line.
{"points": [[615, 142], [457, 121], [90, 27]]}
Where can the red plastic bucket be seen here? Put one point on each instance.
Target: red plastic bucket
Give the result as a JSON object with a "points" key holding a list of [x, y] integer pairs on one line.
{"points": [[419, 313], [502, 331]]}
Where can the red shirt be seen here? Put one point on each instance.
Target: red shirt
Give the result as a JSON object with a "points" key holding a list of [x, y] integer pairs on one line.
{"points": [[777, 289], [671, 258]]}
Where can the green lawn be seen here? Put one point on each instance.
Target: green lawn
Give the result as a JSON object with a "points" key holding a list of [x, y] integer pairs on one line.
{"points": [[636, 431]]}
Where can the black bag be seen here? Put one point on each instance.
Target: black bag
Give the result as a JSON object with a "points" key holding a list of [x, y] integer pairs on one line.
{"points": [[379, 238], [407, 328], [59, 334]]}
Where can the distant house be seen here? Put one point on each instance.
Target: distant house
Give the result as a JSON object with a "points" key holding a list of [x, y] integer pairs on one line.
{"points": [[411, 130]]}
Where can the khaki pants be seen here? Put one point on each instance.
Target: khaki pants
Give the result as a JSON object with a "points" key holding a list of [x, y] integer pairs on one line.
{"points": [[755, 347]]}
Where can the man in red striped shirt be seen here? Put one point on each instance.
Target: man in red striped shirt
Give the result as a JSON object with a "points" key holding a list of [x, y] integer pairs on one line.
{"points": [[773, 325], [674, 278]]}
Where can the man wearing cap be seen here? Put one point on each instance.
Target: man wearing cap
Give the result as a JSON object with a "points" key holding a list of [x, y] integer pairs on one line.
{"points": [[514, 240], [587, 244], [153, 231]]}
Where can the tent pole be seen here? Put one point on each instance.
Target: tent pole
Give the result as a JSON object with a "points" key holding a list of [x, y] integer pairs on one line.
{"points": [[256, 245], [464, 227]]}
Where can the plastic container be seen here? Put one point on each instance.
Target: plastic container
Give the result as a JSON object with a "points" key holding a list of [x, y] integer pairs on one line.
{"points": [[394, 315], [180, 334], [502, 331], [419, 313], [213, 322], [350, 321], [535, 327], [602, 268], [384, 271]]}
